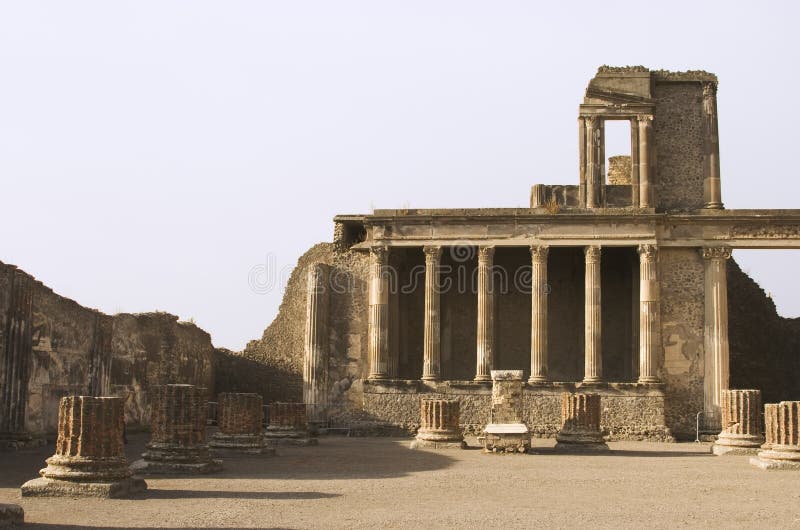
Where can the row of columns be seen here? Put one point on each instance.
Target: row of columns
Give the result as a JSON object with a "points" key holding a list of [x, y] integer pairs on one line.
{"points": [[649, 315], [592, 156]]}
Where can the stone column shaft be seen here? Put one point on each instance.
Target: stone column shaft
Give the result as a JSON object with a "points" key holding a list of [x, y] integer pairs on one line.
{"points": [[717, 352], [17, 355], [100, 356], [431, 370], [582, 161], [378, 313], [539, 292], [645, 193], [649, 314], [592, 165], [634, 162], [782, 448], [593, 372], [485, 314], [712, 189], [315, 362], [580, 422]]}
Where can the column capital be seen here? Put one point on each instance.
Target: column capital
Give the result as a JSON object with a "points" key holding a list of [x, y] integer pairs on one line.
{"points": [[432, 252], [644, 119], [648, 252], [716, 252], [539, 253], [379, 254], [485, 253], [592, 253]]}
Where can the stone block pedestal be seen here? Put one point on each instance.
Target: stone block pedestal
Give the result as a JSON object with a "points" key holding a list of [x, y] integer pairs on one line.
{"points": [[506, 432], [741, 423], [90, 458], [439, 425], [178, 439], [580, 424]]}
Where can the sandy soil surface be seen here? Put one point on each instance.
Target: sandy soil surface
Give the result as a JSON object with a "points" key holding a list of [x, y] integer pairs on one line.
{"points": [[369, 482]]}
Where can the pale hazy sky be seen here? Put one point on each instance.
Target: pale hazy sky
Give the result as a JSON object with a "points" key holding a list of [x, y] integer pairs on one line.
{"points": [[153, 152]]}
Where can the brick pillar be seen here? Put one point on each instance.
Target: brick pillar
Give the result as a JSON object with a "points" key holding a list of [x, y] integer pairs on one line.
{"points": [[288, 424], [90, 456], [784, 424], [240, 418], [178, 437], [439, 424], [741, 423], [580, 423]]}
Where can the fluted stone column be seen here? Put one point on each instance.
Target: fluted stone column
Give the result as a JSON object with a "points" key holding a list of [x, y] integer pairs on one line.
{"points": [[649, 314], [315, 360], [288, 424], [539, 292], [581, 160], [634, 162], [770, 425], [784, 453], [16, 363], [439, 425], [593, 370], [580, 423], [485, 314], [90, 456], [378, 313], [712, 188], [431, 370], [645, 130], [592, 164], [240, 418], [178, 433], [741, 423], [717, 352], [100, 356]]}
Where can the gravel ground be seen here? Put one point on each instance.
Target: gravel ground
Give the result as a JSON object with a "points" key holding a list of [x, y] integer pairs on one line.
{"points": [[369, 482]]}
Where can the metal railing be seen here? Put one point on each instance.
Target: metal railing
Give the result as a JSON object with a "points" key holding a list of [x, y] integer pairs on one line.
{"points": [[710, 424]]}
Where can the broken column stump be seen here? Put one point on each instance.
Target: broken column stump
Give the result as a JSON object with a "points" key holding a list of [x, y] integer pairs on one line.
{"points": [[439, 425], [580, 423], [90, 457], [240, 419], [178, 438], [506, 431], [770, 425], [741, 423], [288, 424], [784, 451]]}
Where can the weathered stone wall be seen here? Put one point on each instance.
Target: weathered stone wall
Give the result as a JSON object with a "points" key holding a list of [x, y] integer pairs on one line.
{"points": [[146, 350], [678, 131], [682, 319], [629, 412], [765, 347]]}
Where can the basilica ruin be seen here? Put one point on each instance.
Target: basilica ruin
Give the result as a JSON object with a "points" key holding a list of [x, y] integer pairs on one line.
{"points": [[616, 286]]}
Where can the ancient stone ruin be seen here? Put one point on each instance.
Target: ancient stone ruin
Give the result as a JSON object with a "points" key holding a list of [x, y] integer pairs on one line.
{"points": [[178, 438], [783, 441], [439, 425], [741, 423], [288, 424], [90, 457], [11, 515], [580, 423], [240, 420], [506, 432]]}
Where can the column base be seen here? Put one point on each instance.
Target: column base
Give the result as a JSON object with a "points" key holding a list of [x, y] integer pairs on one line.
{"points": [[737, 444], [378, 377], [431, 378], [779, 457], [537, 379], [592, 380], [240, 443], [483, 379], [648, 380], [713, 206], [45, 487], [150, 467], [281, 436]]}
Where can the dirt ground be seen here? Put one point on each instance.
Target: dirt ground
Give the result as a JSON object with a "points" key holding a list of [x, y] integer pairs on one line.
{"points": [[369, 482]]}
